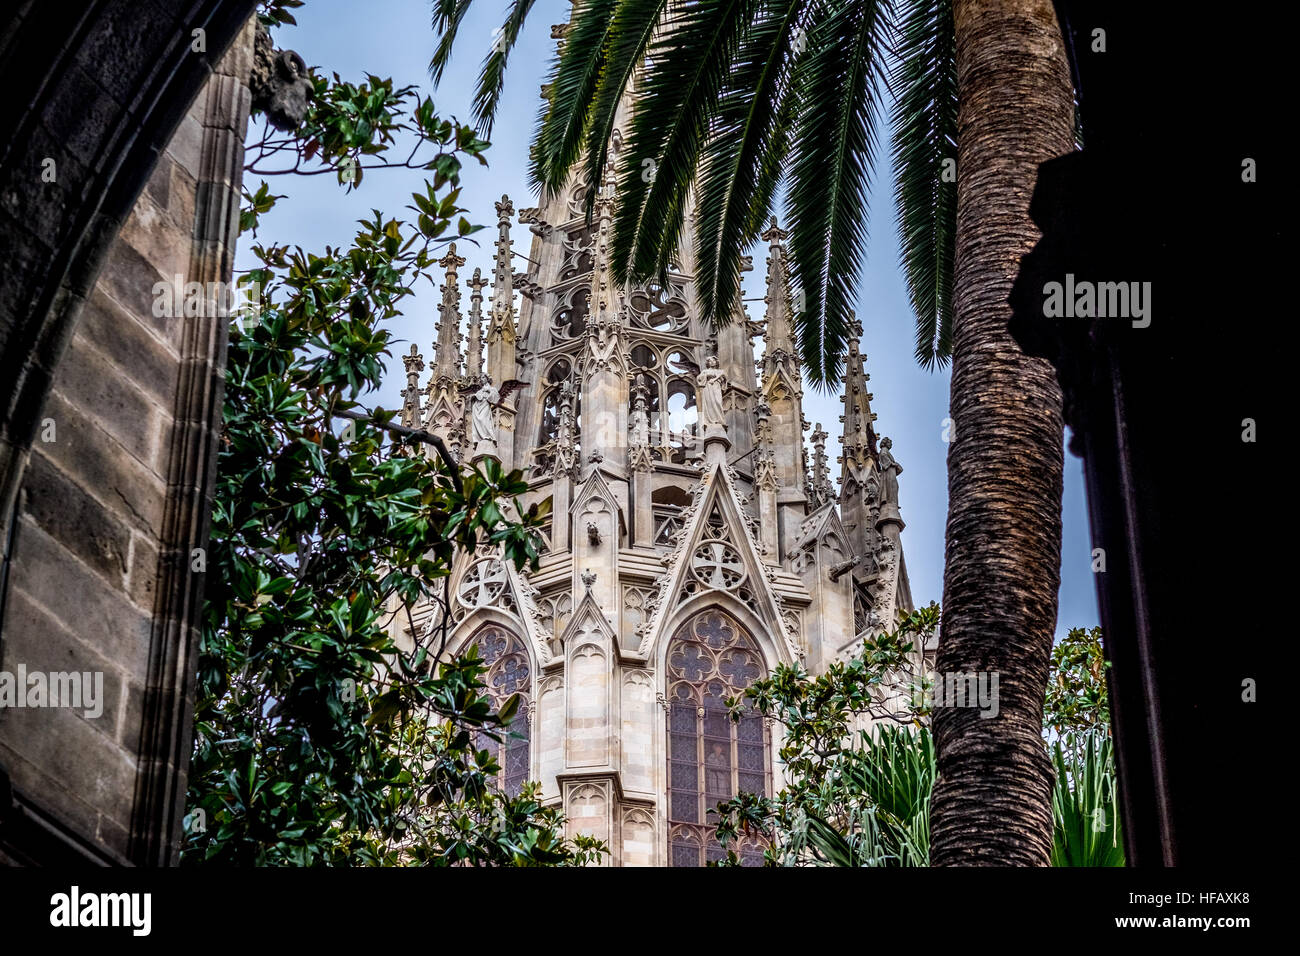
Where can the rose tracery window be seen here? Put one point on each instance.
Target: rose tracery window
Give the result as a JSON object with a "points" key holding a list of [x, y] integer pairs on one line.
{"points": [[658, 308], [717, 565], [482, 584], [711, 758], [507, 674]]}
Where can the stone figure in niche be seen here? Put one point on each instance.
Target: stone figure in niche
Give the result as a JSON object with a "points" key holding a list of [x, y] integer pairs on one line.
{"points": [[483, 425], [640, 426], [708, 385], [484, 400], [889, 470]]}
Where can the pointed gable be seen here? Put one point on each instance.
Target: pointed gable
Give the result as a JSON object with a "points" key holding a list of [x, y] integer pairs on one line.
{"points": [[718, 551], [597, 487], [588, 620]]}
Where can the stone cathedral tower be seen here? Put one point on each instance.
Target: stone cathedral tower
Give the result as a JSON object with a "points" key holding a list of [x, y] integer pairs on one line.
{"points": [[696, 539]]}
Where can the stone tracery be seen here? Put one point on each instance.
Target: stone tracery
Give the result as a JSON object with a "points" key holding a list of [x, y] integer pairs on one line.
{"points": [[710, 757], [646, 525]]}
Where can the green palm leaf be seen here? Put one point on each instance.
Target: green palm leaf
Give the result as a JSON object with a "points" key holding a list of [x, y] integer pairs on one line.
{"points": [[575, 76], [492, 78], [743, 161], [671, 120], [633, 25], [832, 159], [447, 17], [924, 124]]}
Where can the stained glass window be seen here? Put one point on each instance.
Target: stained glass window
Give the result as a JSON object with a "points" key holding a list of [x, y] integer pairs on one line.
{"points": [[711, 758], [507, 663]]}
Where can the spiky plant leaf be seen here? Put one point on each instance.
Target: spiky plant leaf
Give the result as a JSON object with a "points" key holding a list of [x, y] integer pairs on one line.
{"points": [[743, 161], [835, 144], [670, 125], [924, 125], [574, 78], [632, 28], [447, 18], [1086, 821], [492, 77]]}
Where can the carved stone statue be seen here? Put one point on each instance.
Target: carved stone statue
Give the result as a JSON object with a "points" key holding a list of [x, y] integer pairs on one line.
{"points": [[483, 426], [280, 83], [889, 470], [708, 386], [640, 426]]}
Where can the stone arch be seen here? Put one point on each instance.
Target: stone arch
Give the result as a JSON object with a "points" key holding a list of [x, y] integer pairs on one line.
{"points": [[104, 120], [461, 635], [709, 756], [772, 645], [107, 99], [510, 670]]}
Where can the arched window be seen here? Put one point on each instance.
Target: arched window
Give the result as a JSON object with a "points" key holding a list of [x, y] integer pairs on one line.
{"points": [[711, 757], [668, 376], [561, 415], [507, 663]]}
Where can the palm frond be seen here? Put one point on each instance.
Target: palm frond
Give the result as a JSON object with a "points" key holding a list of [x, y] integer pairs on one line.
{"points": [[833, 157], [743, 160], [575, 75], [631, 30], [924, 124], [447, 18], [671, 119], [492, 77]]}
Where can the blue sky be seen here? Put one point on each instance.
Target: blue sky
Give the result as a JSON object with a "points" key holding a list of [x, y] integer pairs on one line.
{"points": [[394, 38]]}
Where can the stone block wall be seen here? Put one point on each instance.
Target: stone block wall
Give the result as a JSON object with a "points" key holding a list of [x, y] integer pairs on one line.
{"points": [[115, 499]]}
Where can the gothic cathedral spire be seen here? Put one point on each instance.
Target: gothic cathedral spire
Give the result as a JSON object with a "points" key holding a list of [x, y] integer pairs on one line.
{"points": [[858, 487], [782, 390]]}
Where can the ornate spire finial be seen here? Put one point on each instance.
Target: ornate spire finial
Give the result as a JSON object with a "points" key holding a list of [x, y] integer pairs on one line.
{"points": [[474, 351], [503, 274], [414, 363], [780, 353], [566, 459], [639, 457], [855, 331], [501, 333], [600, 246], [451, 262], [821, 479], [859, 470], [774, 234], [446, 357]]}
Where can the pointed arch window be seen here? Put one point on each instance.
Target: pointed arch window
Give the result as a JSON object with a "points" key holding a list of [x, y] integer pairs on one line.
{"points": [[668, 374], [508, 673], [561, 415], [711, 758]]}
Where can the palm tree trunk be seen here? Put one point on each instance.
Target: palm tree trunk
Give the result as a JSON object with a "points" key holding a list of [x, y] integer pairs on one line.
{"points": [[992, 799]]}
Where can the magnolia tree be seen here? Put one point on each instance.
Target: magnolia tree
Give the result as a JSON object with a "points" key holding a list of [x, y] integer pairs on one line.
{"points": [[317, 739]]}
